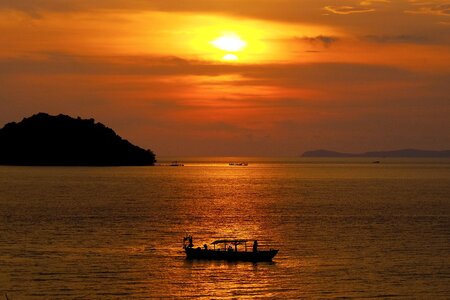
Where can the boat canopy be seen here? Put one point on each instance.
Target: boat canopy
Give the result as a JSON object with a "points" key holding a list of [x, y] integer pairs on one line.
{"points": [[236, 242]]}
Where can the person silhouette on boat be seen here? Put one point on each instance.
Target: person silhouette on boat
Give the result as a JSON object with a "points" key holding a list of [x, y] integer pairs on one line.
{"points": [[205, 246], [255, 246], [190, 242], [230, 249]]}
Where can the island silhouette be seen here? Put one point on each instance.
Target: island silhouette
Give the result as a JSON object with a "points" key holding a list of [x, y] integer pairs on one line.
{"points": [[61, 140]]}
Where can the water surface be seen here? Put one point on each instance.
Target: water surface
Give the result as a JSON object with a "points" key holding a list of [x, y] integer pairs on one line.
{"points": [[344, 228]]}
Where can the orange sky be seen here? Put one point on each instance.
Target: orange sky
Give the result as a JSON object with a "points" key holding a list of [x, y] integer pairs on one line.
{"points": [[234, 77]]}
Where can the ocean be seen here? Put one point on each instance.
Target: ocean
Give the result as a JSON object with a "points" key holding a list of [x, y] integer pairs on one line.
{"points": [[345, 228]]}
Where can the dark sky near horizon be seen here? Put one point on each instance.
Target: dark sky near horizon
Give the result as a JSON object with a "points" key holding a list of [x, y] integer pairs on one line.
{"points": [[234, 77]]}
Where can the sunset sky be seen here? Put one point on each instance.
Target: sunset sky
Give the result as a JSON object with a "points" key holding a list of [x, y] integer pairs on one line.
{"points": [[234, 77]]}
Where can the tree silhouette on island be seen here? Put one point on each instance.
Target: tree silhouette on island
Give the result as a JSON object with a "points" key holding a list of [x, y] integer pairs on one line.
{"points": [[61, 140]]}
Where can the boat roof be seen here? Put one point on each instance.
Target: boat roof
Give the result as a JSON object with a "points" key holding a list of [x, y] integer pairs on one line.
{"points": [[229, 241]]}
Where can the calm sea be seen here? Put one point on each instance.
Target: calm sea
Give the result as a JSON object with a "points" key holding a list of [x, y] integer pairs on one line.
{"points": [[345, 228]]}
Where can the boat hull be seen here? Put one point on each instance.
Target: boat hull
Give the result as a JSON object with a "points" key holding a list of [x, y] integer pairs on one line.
{"points": [[198, 253]]}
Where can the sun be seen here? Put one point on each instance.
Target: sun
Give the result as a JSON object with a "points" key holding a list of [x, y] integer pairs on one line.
{"points": [[230, 57], [229, 42]]}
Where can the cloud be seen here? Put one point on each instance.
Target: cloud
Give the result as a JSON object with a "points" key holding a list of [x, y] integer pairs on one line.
{"points": [[325, 41], [326, 76], [361, 7], [347, 10], [425, 8], [61, 63], [285, 10], [281, 10], [397, 39], [154, 102], [372, 2]]}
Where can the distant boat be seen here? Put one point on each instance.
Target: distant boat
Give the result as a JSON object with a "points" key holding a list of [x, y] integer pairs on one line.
{"points": [[176, 164], [229, 251], [376, 162], [244, 164]]}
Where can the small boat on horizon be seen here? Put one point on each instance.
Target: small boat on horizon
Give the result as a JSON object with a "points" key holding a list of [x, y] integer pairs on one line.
{"points": [[176, 164], [229, 252], [242, 164]]}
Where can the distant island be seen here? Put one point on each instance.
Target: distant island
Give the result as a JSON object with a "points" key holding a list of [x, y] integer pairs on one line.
{"points": [[45, 140], [395, 153]]}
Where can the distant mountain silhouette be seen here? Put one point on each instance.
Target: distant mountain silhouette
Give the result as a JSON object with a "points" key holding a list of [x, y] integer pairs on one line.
{"points": [[395, 153], [60, 140]]}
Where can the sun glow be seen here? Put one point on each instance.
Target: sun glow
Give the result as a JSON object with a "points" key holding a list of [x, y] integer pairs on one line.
{"points": [[213, 38], [230, 42], [230, 57]]}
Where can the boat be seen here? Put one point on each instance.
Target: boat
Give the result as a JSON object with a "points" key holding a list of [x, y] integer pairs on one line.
{"points": [[176, 164], [243, 164], [227, 249]]}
